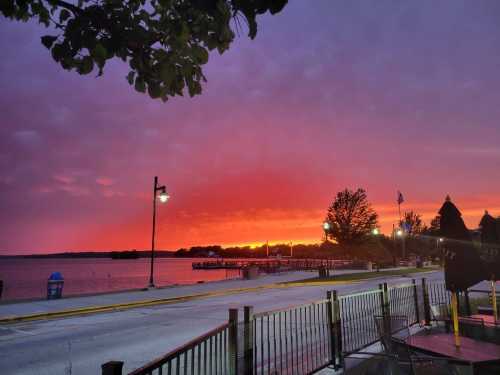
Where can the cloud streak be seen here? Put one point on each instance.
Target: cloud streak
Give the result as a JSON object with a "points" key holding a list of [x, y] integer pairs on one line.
{"points": [[391, 96]]}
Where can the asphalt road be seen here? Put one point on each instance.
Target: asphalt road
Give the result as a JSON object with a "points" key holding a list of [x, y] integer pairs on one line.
{"points": [[79, 345]]}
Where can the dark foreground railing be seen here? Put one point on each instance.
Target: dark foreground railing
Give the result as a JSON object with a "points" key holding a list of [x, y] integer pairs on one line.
{"points": [[296, 340], [207, 354], [291, 341]]}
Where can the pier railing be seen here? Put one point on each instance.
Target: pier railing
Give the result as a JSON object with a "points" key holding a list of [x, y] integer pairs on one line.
{"points": [[279, 265], [295, 340]]}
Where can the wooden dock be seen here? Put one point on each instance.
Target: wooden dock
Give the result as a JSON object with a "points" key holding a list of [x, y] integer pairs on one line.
{"points": [[275, 265]]}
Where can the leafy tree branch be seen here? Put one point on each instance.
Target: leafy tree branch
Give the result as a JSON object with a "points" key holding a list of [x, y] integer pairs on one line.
{"points": [[164, 42]]}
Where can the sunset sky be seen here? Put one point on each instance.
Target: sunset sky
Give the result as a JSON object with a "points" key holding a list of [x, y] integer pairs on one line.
{"points": [[384, 95]]}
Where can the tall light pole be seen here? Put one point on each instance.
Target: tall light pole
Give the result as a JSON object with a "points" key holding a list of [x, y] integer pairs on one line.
{"points": [[401, 233], [326, 228], [163, 196]]}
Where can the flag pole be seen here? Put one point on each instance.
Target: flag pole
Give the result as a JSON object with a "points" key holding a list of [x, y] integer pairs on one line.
{"points": [[400, 200], [454, 317]]}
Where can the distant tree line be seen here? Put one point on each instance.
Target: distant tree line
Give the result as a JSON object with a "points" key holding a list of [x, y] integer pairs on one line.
{"points": [[351, 232]]}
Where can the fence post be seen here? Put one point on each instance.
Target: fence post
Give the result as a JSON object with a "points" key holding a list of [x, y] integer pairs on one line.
{"points": [[112, 368], [248, 340], [384, 300], [337, 331], [233, 341], [382, 304], [427, 306], [386, 311], [415, 297], [331, 325], [467, 303]]}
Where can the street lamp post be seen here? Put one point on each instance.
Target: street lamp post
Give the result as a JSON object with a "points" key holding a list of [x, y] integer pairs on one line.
{"points": [[439, 241], [401, 233], [326, 228], [163, 196]]}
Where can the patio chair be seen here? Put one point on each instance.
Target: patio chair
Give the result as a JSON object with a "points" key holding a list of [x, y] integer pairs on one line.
{"points": [[394, 327], [440, 314], [393, 333], [477, 328], [368, 363]]}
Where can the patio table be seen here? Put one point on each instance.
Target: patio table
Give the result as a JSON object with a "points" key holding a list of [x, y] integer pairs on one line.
{"points": [[474, 354], [487, 319]]}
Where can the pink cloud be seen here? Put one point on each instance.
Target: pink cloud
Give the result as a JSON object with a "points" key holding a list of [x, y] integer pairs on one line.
{"points": [[104, 181]]}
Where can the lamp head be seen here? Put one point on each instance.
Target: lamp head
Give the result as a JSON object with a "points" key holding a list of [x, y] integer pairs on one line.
{"points": [[326, 225], [375, 231], [164, 197]]}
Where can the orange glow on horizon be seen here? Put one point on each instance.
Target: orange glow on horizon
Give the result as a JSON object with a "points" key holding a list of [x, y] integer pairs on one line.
{"points": [[237, 229]]}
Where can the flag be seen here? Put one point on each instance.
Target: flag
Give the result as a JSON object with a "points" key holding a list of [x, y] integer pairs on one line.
{"points": [[400, 198]]}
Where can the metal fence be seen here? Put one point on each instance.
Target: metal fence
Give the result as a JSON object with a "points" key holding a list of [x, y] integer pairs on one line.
{"points": [[357, 313], [438, 293], [407, 300], [206, 355], [292, 341], [299, 339]]}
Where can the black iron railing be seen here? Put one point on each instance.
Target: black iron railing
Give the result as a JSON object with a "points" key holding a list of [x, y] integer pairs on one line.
{"points": [[299, 339], [356, 315], [292, 341], [207, 354], [407, 300]]}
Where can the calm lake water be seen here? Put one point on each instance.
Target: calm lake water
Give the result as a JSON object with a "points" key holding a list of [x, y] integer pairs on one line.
{"points": [[27, 278]]}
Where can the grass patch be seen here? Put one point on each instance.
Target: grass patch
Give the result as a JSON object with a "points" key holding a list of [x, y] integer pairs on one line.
{"points": [[363, 275]]}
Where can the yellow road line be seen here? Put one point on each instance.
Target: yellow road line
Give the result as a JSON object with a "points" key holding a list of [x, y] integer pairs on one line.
{"points": [[146, 303], [166, 301]]}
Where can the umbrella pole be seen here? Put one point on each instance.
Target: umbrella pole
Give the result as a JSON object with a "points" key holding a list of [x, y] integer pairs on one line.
{"points": [[494, 299], [454, 317]]}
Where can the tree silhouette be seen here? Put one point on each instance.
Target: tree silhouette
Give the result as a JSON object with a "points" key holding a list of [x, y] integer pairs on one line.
{"points": [[435, 227], [351, 218], [165, 42], [413, 222]]}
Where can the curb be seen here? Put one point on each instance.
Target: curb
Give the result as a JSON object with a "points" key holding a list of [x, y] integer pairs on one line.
{"points": [[110, 308], [165, 301], [154, 302]]}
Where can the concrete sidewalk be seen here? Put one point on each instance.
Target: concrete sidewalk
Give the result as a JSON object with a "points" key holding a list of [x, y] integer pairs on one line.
{"points": [[40, 309], [71, 306]]}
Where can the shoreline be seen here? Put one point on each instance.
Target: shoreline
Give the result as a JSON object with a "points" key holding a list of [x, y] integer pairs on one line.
{"points": [[113, 292], [114, 302]]}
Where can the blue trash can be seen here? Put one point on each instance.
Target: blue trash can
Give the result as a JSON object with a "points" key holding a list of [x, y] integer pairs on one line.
{"points": [[55, 285]]}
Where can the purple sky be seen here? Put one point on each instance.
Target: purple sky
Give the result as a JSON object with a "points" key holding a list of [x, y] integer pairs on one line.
{"points": [[384, 95]]}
